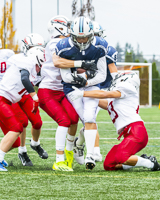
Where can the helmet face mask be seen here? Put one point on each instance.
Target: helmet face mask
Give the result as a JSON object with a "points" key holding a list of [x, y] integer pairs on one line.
{"points": [[58, 25], [32, 40], [81, 27], [37, 55]]}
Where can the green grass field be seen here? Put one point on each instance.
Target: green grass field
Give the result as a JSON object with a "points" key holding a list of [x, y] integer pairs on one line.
{"points": [[41, 182]]}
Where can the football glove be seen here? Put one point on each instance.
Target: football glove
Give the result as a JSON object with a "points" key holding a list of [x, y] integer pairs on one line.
{"points": [[35, 106], [91, 73], [76, 94], [88, 65], [79, 80]]}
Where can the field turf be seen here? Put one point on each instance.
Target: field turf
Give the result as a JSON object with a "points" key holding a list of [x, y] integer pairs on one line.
{"points": [[41, 182]]}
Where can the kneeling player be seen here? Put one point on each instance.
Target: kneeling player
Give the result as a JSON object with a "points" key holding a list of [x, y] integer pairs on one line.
{"points": [[123, 105]]}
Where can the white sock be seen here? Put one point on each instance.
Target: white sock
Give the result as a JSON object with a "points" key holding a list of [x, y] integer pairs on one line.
{"points": [[59, 157], [2, 154], [125, 167], [142, 162], [81, 138], [61, 133], [97, 150], [90, 136], [22, 149], [70, 142], [34, 143]]}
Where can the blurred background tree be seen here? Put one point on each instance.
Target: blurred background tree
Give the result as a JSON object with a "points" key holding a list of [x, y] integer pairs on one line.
{"points": [[86, 9], [7, 33]]}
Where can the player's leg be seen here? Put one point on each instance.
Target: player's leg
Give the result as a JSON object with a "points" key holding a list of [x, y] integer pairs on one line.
{"points": [[90, 107], [7, 117], [27, 105], [124, 153], [22, 150], [97, 154], [72, 114], [79, 142], [50, 103]]}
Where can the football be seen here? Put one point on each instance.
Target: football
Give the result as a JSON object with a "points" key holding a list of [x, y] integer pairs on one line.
{"points": [[80, 70]]}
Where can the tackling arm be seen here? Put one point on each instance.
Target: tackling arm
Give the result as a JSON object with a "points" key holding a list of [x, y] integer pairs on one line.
{"points": [[100, 94]]}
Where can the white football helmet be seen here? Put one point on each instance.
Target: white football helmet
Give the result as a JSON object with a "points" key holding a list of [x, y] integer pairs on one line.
{"points": [[32, 40], [0, 43], [37, 55], [82, 27], [128, 77], [97, 29], [58, 25]]}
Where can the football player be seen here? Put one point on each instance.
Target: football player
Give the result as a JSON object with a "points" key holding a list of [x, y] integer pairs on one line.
{"points": [[82, 45], [29, 41], [53, 100], [124, 115], [13, 87]]}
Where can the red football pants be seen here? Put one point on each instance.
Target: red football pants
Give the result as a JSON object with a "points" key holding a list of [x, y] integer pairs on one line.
{"points": [[18, 113], [133, 142], [56, 105]]}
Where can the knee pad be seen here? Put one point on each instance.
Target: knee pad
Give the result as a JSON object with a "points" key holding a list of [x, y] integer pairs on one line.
{"points": [[16, 144], [64, 122], [17, 128], [37, 125], [89, 118], [74, 119], [25, 122]]}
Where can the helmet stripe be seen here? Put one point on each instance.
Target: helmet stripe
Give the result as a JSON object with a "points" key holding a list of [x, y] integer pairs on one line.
{"points": [[81, 20]]}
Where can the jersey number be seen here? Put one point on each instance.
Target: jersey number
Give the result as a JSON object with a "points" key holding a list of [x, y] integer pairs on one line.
{"points": [[3, 67], [111, 110]]}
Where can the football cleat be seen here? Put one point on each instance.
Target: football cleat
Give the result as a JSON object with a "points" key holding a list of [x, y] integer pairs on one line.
{"points": [[61, 166], [69, 157], [78, 152], [145, 156], [41, 152], [24, 158], [2, 168], [156, 166], [89, 162], [97, 157], [4, 163]]}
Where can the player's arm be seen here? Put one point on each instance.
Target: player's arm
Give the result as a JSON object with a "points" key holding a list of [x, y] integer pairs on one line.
{"points": [[26, 83], [101, 72], [62, 62], [65, 63], [100, 94]]}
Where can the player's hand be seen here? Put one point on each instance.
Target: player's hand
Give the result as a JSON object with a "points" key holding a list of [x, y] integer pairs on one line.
{"points": [[35, 106], [91, 73], [88, 65], [79, 80], [76, 94]]}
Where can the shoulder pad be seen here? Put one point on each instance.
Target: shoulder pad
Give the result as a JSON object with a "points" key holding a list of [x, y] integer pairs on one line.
{"points": [[62, 45], [112, 54], [101, 41]]}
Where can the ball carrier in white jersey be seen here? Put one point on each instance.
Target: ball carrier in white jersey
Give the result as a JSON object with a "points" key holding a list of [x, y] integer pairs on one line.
{"points": [[15, 83], [123, 104]]}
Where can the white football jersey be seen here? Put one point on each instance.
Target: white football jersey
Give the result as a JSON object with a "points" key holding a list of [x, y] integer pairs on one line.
{"points": [[51, 77], [11, 86], [124, 110], [5, 54]]}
